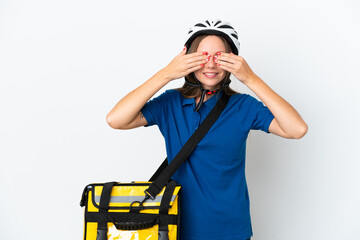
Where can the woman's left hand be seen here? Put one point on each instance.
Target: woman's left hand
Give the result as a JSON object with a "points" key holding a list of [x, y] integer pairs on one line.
{"points": [[236, 65]]}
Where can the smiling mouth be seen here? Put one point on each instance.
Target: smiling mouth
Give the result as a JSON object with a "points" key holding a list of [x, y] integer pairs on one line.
{"points": [[210, 75]]}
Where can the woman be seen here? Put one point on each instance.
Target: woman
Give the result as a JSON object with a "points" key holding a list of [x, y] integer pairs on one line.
{"points": [[215, 201]]}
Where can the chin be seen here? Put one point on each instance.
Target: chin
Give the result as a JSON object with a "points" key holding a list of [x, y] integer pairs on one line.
{"points": [[210, 86], [210, 83]]}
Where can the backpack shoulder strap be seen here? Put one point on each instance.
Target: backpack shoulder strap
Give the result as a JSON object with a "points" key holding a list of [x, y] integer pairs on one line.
{"points": [[164, 173]]}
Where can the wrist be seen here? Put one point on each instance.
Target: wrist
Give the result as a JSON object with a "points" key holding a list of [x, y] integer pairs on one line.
{"points": [[164, 75], [252, 80]]}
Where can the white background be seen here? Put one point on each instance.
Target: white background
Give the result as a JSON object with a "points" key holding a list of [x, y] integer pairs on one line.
{"points": [[65, 64]]}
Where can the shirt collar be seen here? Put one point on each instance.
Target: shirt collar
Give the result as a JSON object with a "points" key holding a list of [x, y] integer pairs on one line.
{"points": [[210, 102], [187, 101]]}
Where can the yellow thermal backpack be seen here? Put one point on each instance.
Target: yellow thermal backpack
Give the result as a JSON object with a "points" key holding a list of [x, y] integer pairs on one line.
{"points": [[122, 218]]}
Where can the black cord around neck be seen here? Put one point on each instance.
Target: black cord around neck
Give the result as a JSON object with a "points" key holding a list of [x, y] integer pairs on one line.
{"points": [[205, 91]]}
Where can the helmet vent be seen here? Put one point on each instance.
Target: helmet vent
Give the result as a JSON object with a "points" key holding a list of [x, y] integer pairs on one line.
{"points": [[234, 35], [207, 22], [217, 23], [200, 25], [226, 26]]}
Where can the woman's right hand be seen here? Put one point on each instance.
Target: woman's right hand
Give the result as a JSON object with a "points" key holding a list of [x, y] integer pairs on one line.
{"points": [[183, 64], [127, 112]]}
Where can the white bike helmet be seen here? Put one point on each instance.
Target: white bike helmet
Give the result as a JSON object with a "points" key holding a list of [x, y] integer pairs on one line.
{"points": [[214, 27]]}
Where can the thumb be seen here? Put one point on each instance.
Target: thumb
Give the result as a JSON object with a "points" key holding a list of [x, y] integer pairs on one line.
{"points": [[183, 52]]}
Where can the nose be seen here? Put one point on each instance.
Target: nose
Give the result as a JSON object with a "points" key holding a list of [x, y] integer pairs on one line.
{"points": [[211, 63]]}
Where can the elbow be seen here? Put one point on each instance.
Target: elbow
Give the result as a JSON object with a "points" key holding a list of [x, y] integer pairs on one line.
{"points": [[301, 132], [111, 122]]}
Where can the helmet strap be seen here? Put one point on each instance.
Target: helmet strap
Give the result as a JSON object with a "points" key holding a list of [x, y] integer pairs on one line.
{"points": [[204, 92]]}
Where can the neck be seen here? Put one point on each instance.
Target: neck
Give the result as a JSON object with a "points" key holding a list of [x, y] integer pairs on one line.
{"points": [[206, 97], [209, 88]]}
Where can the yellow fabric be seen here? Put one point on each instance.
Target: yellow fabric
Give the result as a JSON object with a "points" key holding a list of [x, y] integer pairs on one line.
{"points": [[132, 191], [143, 234]]}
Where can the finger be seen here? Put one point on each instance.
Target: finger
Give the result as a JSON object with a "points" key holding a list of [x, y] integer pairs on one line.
{"points": [[227, 62], [236, 58], [226, 67], [198, 62], [226, 58], [229, 66], [197, 58], [183, 52], [195, 54], [193, 69], [201, 62]]}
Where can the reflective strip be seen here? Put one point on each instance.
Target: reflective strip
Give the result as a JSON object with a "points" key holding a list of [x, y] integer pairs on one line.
{"points": [[130, 199]]}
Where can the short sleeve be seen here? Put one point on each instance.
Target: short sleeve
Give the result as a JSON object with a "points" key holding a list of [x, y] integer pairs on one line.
{"points": [[153, 110], [262, 116]]}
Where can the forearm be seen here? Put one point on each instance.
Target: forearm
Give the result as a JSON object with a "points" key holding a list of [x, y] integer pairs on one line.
{"points": [[126, 110], [288, 118]]}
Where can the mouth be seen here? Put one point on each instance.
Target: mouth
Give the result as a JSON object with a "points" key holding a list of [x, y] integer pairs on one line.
{"points": [[210, 74]]}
